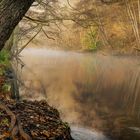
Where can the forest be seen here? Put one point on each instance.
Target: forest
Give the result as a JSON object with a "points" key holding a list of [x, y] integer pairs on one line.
{"points": [[69, 70]]}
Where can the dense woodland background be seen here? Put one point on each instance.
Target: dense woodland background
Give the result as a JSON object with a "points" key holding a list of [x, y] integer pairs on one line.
{"points": [[90, 25]]}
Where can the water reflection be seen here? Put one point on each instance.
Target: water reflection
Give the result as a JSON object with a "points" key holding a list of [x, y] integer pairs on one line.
{"points": [[79, 133], [96, 91]]}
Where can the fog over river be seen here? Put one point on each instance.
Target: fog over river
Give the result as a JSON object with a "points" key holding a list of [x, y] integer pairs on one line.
{"points": [[98, 95]]}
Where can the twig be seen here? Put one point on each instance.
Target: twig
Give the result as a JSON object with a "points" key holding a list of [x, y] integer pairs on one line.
{"points": [[47, 35], [23, 47]]}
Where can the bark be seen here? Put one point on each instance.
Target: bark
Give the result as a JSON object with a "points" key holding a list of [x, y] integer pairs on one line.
{"points": [[11, 12]]}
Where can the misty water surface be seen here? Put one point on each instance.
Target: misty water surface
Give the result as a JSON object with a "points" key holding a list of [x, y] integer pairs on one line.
{"points": [[94, 91]]}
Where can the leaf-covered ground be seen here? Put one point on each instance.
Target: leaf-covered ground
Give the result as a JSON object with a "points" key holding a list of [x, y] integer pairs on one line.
{"points": [[31, 120], [28, 120]]}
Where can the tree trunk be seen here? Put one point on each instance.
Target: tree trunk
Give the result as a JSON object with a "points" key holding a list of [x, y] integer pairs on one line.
{"points": [[11, 12]]}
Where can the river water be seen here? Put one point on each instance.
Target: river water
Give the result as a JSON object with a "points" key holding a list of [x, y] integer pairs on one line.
{"points": [[98, 95]]}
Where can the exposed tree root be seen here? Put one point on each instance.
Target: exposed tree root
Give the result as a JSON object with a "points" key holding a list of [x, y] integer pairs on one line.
{"points": [[11, 114], [27, 120], [15, 126], [14, 132], [22, 132]]}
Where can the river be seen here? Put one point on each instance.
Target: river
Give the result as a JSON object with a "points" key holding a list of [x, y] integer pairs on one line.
{"points": [[98, 95]]}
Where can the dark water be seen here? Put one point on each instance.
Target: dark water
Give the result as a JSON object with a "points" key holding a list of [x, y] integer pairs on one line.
{"points": [[98, 95]]}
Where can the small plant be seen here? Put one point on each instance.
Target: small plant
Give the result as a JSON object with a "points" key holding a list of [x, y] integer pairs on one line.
{"points": [[66, 125], [6, 87], [1, 113], [2, 71], [4, 122], [91, 40]]}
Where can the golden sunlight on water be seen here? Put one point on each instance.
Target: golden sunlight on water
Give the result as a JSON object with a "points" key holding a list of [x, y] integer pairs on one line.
{"points": [[91, 90]]}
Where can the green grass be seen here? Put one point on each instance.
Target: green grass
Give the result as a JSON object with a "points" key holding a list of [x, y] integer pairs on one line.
{"points": [[4, 64], [4, 61], [4, 58]]}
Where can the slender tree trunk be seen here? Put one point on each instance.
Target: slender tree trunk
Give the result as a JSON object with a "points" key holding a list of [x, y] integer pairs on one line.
{"points": [[11, 12]]}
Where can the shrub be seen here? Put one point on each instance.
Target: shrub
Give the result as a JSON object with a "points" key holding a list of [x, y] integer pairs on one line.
{"points": [[91, 41]]}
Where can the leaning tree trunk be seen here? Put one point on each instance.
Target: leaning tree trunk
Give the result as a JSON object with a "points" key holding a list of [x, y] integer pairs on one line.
{"points": [[11, 12]]}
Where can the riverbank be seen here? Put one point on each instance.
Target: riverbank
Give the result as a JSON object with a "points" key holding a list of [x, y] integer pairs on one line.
{"points": [[27, 119], [31, 120]]}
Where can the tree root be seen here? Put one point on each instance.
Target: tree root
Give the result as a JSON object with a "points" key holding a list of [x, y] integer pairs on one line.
{"points": [[15, 125], [22, 133], [9, 113], [14, 132]]}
